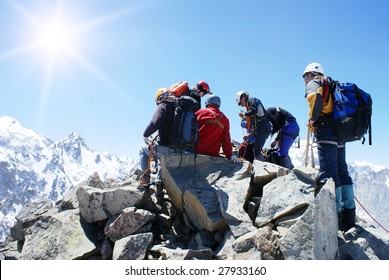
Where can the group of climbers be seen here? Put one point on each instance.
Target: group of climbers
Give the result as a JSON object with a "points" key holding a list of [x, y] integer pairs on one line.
{"points": [[213, 133]]}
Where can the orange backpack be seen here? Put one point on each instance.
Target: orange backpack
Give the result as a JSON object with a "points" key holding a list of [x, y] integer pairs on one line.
{"points": [[179, 88]]}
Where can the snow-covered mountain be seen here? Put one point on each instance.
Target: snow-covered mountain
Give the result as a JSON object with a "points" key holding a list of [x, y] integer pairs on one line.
{"points": [[33, 166]]}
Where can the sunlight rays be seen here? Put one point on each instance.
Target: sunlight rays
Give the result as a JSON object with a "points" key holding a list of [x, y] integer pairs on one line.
{"points": [[56, 39]]}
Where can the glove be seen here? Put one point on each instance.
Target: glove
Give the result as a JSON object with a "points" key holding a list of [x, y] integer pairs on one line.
{"points": [[146, 140], [234, 158]]}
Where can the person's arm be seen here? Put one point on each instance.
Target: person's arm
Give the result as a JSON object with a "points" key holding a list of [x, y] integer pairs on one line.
{"points": [[156, 121], [226, 137], [314, 95]]}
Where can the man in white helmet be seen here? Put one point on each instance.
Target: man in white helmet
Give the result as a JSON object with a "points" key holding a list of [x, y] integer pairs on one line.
{"points": [[257, 123], [331, 152]]}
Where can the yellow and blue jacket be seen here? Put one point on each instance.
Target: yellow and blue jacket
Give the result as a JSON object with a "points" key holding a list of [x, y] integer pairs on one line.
{"points": [[320, 101]]}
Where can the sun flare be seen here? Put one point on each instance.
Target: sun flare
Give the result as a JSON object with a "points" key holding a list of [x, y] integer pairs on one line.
{"points": [[56, 38]]}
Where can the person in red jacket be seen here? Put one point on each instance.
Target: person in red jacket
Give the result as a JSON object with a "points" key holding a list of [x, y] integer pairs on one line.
{"points": [[214, 130]]}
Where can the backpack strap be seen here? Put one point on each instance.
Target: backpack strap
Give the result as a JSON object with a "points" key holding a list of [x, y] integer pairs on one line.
{"points": [[215, 120], [326, 88]]}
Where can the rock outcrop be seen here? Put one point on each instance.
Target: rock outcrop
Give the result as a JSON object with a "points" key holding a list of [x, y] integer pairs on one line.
{"points": [[210, 208]]}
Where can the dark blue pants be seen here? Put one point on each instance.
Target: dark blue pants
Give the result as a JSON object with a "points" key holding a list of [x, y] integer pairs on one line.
{"points": [[332, 157], [262, 132], [332, 160]]}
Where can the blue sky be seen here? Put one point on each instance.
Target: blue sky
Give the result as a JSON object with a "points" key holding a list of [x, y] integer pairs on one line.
{"points": [[93, 66]]}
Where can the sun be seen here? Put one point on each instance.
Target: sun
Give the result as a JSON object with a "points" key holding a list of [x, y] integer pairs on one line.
{"points": [[56, 38]]}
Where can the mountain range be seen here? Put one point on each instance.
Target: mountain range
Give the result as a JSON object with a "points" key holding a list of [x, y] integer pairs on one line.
{"points": [[33, 166]]}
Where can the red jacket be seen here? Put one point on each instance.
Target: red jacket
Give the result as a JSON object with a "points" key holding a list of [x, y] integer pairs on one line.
{"points": [[214, 131]]}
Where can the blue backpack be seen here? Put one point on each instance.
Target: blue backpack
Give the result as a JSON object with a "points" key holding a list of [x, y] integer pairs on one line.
{"points": [[352, 112]]}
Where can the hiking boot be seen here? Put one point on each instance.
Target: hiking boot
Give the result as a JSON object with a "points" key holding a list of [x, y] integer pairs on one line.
{"points": [[348, 220], [144, 180]]}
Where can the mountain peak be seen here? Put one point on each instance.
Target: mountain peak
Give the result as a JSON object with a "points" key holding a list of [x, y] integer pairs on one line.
{"points": [[6, 122], [13, 134], [74, 137]]}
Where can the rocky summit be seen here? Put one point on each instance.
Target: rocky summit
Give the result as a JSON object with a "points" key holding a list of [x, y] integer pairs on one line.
{"points": [[204, 208]]}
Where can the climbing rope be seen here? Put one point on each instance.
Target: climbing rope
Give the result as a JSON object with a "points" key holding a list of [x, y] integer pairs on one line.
{"points": [[370, 215]]}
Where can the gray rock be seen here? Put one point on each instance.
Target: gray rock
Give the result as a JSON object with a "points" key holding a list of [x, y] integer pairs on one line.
{"points": [[128, 222], [28, 215], [282, 196], [133, 247], [314, 236], [60, 237], [98, 205]]}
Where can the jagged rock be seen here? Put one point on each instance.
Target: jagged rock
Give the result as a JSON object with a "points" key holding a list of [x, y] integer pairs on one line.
{"points": [[196, 186], [307, 174], [133, 247], [188, 182], [28, 215], [128, 222], [69, 200], [10, 250], [314, 236], [207, 213], [264, 172], [182, 254], [106, 250], [364, 243], [97, 205], [261, 244], [225, 250], [282, 196], [232, 192], [59, 237], [204, 239]]}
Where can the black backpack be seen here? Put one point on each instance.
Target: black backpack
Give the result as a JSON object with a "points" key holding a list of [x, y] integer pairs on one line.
{"points": [[185, 129]]}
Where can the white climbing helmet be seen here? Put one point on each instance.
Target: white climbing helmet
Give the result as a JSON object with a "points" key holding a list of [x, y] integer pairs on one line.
{"points": [[314, 67], [239, 96]]}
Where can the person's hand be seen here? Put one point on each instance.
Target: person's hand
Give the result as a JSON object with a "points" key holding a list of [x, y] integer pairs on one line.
{"points": [[241, 114], [311, 125], [234, 158]]}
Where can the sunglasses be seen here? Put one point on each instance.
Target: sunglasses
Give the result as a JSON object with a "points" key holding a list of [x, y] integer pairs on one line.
{"points": [[305, 76]]}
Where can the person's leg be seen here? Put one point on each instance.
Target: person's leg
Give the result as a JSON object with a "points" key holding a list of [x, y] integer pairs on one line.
{"points": [[144, 157], [288, 134], [328, 160], [144, 153], [159, 150], [262, 132], [347, 189]]}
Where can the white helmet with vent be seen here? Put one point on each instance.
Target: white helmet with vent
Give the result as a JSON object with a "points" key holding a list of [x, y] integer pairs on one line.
{"points": [[314, 67]]}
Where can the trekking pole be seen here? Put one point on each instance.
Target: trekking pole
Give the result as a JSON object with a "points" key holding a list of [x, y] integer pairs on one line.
{"points": [[312, 157], [307, 147]]}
